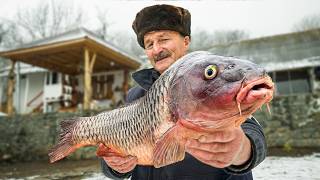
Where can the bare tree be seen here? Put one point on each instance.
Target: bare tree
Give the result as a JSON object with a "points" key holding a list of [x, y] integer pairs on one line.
{"points": [[45, 20], [103, 24], [203, 40], [10, 35], [308, 22], [228, 36], [127, 42], [121, 39], [200, 40], [2, 32]]}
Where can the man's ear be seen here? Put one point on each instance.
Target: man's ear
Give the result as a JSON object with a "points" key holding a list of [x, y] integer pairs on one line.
{"points": [[187, 41]]}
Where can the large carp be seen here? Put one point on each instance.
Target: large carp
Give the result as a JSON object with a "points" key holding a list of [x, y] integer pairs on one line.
{"points": [[199, 93]]}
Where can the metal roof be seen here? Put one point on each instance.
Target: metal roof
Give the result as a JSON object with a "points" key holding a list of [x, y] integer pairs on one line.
{"points": [[294, 64], [292, 50], [24, 69]]}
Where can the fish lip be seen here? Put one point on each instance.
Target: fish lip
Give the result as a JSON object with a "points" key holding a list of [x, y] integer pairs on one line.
{"points": [[264, 82]]}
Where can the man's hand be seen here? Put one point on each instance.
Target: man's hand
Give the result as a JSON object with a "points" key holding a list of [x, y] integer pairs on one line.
{"points": [[119, 163], [221, 148]]}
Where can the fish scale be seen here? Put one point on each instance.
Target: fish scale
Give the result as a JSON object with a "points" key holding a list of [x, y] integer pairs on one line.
{"points": [[144, 118]]}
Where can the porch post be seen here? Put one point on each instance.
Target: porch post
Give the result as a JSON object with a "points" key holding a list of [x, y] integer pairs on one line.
{"points": [[88, 69], [125, 85], [10, 88]]}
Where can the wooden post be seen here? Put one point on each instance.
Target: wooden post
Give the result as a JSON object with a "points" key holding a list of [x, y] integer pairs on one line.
{"points": [[10, 89], [88, 69], [125, 85]]}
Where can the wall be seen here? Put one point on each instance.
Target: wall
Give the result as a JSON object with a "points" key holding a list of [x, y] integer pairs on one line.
{"points": [[294, 122], [34, 85], [29, 137]]}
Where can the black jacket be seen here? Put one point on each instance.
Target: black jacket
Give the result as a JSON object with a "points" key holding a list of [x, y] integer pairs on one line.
{"points": [[191, 168]]}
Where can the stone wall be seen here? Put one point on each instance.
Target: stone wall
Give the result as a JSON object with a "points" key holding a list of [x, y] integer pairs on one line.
{"points": [[294, 122], [29, 137]]}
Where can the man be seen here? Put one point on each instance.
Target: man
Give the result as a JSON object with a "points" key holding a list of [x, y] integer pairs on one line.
{"points": [[164, 32]]}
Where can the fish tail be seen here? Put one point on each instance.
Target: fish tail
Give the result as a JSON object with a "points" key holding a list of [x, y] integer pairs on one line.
{"points": [[65, 144]]}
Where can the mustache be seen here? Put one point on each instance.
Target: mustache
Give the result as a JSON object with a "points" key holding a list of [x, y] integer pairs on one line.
{"points": [[161, 55]]}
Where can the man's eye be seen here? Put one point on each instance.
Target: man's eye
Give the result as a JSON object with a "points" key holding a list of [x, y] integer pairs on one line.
{"points": [[165, 39], [149, 46]]}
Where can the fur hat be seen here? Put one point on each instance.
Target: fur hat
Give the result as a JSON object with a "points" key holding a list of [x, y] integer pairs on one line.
{"points": [[161, 17]]}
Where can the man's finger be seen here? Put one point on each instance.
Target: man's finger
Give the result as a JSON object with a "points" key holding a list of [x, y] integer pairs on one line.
{"points": [[124, 167], [112, 154], [127, 160], [113, 159], [209, 156], [117, 160], [218, 136], [218, 160], [210, 147], [103, 150], [129, 164]]}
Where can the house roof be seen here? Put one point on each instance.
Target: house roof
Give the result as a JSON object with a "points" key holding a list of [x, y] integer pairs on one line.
{"points": [[279, 51], [294, 64], [23, 69], [65, 53]]}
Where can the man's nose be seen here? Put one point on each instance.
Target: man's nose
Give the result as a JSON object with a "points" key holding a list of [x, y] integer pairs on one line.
{"points": [[156, 48]]}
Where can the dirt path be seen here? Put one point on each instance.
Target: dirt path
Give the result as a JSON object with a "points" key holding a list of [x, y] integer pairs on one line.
{"points": [[44, 170]]}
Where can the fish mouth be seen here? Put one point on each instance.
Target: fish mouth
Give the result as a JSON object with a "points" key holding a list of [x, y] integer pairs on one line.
{"points": [[255, 92]]}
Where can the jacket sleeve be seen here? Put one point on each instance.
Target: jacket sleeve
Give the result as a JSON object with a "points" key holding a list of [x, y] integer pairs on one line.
{"points": [[133, 94], [254, 132]]}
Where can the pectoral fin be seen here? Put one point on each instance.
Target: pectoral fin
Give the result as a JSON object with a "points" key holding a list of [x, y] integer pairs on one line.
{"points": [[169, 149]]}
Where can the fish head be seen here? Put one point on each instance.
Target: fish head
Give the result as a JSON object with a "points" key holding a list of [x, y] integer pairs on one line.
{"points": [[213, 91]]}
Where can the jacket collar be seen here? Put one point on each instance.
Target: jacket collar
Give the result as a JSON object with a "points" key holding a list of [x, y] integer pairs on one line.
{"points": [[146, 77]]}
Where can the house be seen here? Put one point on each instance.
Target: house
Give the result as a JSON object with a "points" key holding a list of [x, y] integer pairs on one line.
{"points": [[292, 60], [72, 70]]}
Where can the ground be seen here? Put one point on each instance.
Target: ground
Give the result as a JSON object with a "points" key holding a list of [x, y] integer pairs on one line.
{"points": [[293, 168], [276, 168]]}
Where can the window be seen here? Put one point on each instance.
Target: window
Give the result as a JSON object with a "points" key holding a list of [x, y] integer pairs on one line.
{"points": [[102, 86], [291, 82], [317, 73], [52, 78]]}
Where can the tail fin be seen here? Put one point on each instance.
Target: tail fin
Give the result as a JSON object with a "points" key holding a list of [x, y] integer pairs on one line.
{"points": [[65, 144]]}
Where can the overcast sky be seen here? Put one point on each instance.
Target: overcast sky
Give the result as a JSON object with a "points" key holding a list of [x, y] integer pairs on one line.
{"points": [[258, 17]]}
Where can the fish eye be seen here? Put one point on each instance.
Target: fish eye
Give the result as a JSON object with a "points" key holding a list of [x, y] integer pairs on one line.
{"points": [[211, 72]]}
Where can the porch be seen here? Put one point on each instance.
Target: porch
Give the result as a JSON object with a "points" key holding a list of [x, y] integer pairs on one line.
{"points": [[82, 57]]}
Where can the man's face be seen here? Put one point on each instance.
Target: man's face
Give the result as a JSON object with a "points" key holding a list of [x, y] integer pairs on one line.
{"points": [[164, 47]]}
